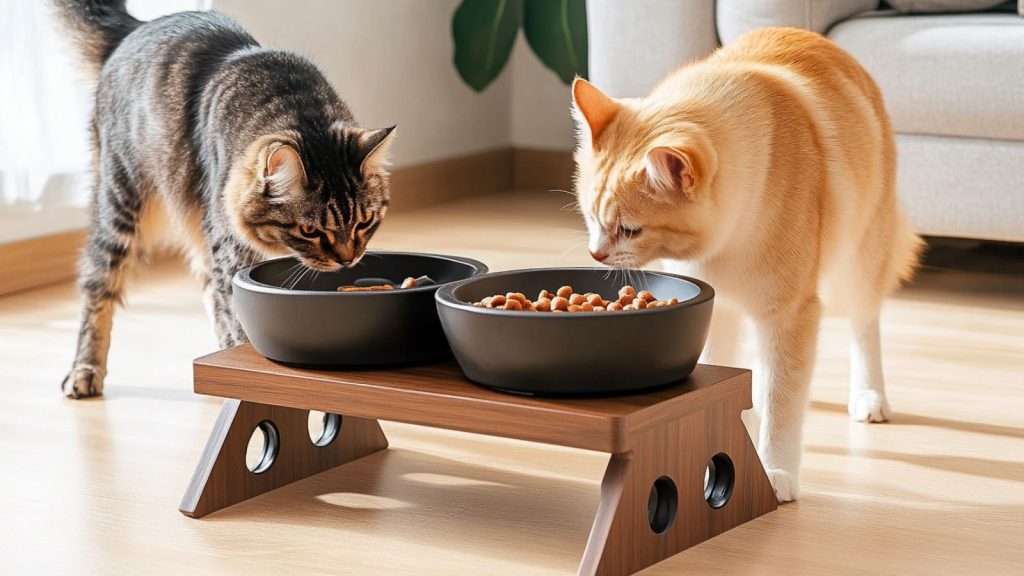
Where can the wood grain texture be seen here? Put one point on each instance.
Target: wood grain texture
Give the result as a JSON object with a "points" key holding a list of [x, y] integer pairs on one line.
{"points": [[439, 395], [39, 261], [222, 478], [622, 540], [673, 432]]}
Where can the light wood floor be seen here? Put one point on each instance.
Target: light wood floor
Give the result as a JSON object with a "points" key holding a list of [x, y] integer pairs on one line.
{"points": [[92, 487]]}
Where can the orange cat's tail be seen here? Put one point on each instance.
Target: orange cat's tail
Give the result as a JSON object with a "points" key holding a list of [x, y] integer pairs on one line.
{"points": [[907, 249]]}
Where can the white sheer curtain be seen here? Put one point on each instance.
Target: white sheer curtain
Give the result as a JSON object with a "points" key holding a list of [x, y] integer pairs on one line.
{"points": [[44, 106]]}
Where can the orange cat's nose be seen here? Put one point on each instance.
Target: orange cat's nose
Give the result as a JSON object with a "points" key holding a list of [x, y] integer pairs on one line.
{"points": [[599, 256]]}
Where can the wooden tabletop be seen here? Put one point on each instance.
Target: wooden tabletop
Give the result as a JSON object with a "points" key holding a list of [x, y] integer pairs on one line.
{"points": [[439, 395]]}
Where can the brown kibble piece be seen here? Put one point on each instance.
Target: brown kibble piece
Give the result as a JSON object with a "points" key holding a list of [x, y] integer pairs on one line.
{"points": [[627, 290], [543, 304], [595, 300], [614, 307], [409, 282], [629, 307], [577, 299], [496, 301], [586, 307], [640, 303], [517, 296], [513, 304], [564, 292], [545, 294], [559, 303], [574, 308], [377, 288], [673, 301], [626, 299], [646, 295], [599, 308]]}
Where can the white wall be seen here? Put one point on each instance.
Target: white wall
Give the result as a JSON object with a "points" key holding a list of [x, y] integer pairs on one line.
{"points": [[540, 103], [392, 63]]}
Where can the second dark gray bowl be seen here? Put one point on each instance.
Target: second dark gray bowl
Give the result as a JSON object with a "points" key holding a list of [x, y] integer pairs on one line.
{"points": [[576, 353], [310, 323]]}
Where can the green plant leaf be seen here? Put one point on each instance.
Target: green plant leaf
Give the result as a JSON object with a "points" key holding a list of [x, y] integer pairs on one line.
{"points": [[484, 31], [557, 33]]}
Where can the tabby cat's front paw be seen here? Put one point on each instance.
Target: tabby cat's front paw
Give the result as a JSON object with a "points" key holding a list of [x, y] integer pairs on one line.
{"points": [[82, 382], [869, 406], [786, 484]]}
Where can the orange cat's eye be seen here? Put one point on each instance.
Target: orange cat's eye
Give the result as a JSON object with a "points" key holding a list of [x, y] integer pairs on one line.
{"points": [[629, 231], [309, 231]]}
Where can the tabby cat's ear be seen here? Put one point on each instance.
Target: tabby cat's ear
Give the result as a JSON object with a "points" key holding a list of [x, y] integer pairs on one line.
{"points": [[374, 149], [597, 109], [671, 170], [283, 171]]}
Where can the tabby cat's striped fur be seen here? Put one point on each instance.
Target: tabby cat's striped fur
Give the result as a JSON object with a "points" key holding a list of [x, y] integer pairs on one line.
{"points": [[233, 150]]}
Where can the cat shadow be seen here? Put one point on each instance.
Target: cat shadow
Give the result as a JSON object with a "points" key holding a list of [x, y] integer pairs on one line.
{"points": [[928, 421], [988, 468]]}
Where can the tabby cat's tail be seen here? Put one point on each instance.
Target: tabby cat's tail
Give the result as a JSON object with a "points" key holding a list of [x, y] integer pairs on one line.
{"points": [[97, 26]]}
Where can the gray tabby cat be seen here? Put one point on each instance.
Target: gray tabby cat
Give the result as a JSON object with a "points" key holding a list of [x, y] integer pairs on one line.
{"points": [[233, 150]]}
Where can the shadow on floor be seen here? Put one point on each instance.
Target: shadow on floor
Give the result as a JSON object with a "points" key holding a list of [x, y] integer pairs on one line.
{"points": [[917, 420]]}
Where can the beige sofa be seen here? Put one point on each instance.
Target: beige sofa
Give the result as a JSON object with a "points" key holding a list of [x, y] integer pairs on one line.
{"points": [[953, 84]]}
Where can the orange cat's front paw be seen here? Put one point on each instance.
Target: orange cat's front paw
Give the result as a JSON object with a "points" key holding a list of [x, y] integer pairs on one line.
{"points": [[786, 484], [869, 406], [82, 382]]}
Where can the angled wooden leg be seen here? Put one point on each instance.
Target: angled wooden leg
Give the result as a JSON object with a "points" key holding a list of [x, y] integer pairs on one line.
{"points": [[222, 477], [673, 456]]}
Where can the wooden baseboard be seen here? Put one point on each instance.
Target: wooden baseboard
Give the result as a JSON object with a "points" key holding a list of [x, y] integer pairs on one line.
{"points": [[39, 261], [542, 169], [439, 181]]}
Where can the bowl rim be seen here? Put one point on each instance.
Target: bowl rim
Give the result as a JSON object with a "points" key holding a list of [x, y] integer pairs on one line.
{"points": [[445, 295], [243, 277]]}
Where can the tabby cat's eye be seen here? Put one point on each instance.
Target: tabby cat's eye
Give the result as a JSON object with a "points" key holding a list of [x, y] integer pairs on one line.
{"points": [[309, 231], [629, 232]]}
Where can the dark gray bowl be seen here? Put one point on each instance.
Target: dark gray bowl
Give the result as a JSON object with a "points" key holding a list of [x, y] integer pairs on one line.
{"points": [[313, 324], [576, 353]]}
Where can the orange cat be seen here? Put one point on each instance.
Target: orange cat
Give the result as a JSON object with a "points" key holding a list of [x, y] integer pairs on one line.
{"points": [[769, 170]]}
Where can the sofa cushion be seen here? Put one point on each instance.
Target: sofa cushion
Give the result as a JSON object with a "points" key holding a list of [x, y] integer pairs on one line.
{"points": [[955, 75], [925, 6], [736, 17]]}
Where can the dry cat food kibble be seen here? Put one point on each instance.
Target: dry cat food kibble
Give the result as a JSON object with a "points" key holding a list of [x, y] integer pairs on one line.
{"points": [[566, 300], [375, 288]]}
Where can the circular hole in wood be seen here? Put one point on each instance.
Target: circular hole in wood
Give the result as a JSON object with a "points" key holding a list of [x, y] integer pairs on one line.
{"points": [[323, 427], [719, 478], [662, 504], [263, 447]]}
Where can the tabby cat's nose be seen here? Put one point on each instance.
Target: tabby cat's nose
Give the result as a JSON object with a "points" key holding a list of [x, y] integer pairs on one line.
{"points": [[599, 256]]}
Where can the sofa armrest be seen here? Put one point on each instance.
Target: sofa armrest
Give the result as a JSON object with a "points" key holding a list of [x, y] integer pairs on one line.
{"points": [[737, 17], [635, 44]]}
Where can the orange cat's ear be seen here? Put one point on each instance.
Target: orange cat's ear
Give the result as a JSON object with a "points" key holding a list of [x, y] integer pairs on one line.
{"points": [[597, 109], [671, 170]]}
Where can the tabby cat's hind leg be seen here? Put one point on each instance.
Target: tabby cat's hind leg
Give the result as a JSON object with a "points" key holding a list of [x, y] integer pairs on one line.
{"points": [[110, 251]]}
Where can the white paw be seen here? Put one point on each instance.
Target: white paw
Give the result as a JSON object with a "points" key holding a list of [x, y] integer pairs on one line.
{"points": [[869, 406], [786, 484], [82, 382]]}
